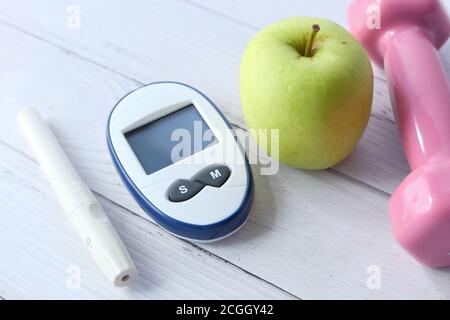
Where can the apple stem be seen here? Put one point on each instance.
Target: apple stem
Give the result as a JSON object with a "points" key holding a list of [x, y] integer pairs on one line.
{"points": [[309, 44]]}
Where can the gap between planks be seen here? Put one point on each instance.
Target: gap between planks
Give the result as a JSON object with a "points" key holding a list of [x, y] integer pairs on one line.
{"points": [[209, 253]]}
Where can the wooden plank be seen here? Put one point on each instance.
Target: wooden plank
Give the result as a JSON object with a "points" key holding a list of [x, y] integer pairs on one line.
{"points": [[41, 252], [258, 14], [148, 42], [312, 233], [261, 13]]}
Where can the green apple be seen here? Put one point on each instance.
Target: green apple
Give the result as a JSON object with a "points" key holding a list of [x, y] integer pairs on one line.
{"points": [[309, 78]]}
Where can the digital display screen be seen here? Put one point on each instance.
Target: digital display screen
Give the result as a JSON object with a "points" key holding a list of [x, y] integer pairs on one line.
{"points": [[169, 139]]}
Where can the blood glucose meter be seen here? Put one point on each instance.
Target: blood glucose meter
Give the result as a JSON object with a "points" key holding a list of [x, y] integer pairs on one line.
{"points": [[179, 158]]}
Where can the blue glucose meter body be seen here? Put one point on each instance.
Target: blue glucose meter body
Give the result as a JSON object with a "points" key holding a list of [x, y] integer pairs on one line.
{"points": [[180, 160]]}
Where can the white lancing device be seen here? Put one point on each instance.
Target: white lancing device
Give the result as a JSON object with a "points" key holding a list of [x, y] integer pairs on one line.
{"points": [[77, 201]]}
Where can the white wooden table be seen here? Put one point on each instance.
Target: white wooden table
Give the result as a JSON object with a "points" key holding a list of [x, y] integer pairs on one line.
{"points": [[323, 234]]}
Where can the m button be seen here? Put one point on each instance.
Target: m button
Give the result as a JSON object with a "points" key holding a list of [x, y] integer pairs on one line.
{"points": [[214, 176]]}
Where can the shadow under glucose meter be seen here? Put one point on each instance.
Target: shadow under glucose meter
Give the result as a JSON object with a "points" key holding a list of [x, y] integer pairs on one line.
{"points": [[179, 158]]}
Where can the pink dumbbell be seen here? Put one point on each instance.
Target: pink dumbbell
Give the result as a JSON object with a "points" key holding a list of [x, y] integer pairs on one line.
{"points": [[405, 43]]}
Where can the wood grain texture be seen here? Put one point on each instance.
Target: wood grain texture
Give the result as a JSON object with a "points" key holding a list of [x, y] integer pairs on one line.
{"points": [[209, 56], [40, 251], [313, 234]]}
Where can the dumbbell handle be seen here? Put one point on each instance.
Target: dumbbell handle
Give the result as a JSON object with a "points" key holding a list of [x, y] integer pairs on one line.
{"points": [[420, 92]]}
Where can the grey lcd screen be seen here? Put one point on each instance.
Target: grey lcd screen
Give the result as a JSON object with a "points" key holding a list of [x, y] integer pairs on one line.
{"points": [[170, 139]]}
